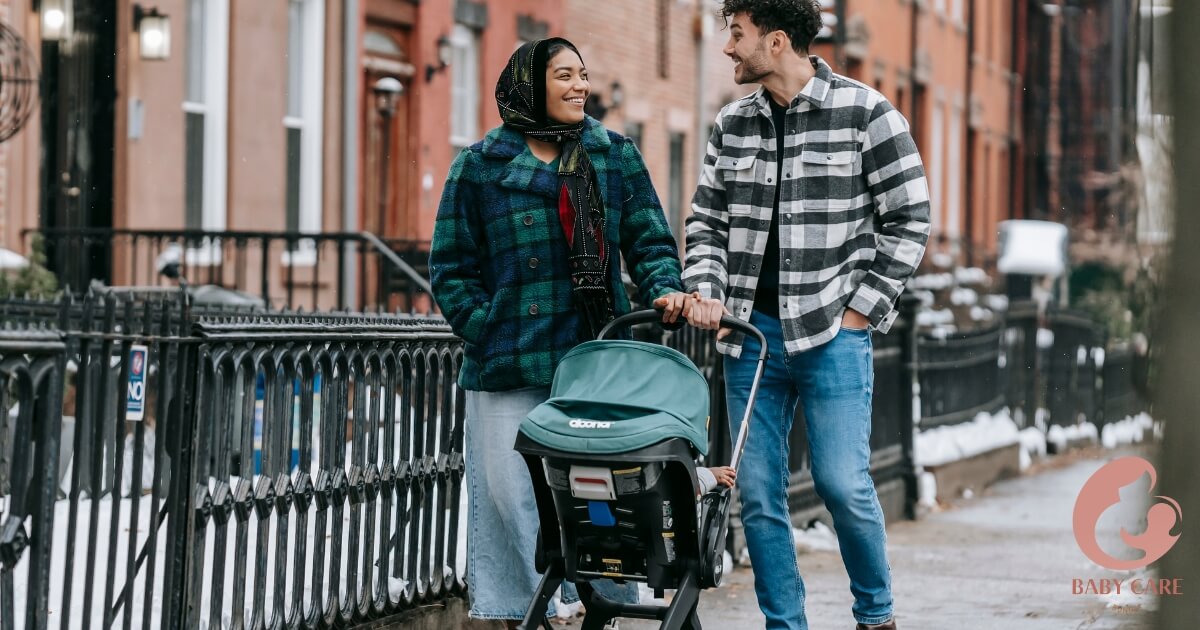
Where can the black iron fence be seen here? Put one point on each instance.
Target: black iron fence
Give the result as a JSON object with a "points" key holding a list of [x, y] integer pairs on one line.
{"points": [[1073, 393], [165, 468], [279, 270], [167, 465]]}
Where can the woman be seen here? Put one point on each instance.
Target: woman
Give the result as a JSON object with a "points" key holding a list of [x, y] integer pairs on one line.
{"points": [[525, 266]]}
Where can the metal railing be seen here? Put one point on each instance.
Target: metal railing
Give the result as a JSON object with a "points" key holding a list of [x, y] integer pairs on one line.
{"points": [[960, 376], [285, 270], [284, 469]]}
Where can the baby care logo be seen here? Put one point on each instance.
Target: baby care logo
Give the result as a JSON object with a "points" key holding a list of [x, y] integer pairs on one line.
{"points": [[1164, 522]]}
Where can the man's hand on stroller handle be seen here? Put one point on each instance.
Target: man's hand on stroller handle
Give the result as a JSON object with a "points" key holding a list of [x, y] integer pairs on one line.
{"points": [[701, 312]]}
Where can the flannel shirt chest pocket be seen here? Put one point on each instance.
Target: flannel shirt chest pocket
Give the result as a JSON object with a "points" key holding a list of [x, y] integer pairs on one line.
{"points": [[746, 183], [828, 179]]}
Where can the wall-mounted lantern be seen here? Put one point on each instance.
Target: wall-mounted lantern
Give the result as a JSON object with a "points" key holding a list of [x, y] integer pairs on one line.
{"points": [[444, 50], [56, 20], [154, 32]]}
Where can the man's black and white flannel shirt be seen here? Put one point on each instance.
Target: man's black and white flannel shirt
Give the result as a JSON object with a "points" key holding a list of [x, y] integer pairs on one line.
{"points": [[853, 211]]}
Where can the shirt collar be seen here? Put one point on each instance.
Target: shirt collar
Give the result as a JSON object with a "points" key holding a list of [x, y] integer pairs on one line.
{"points": [[816, 91]]}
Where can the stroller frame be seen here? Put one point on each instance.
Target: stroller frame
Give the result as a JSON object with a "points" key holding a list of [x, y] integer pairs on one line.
{"points": [[700, 533]]}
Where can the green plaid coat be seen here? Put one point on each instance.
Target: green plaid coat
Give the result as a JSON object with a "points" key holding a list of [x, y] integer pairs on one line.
{"points": [[498, 262]]}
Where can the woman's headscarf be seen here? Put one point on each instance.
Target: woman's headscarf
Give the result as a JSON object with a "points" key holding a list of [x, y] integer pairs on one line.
{"points": [[521, 98]]}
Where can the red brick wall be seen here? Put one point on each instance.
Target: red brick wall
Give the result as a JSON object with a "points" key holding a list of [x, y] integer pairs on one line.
{"points": [[620, 41]]}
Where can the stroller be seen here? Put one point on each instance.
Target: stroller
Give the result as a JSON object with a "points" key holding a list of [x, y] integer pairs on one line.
{"points": [[612, 456]]}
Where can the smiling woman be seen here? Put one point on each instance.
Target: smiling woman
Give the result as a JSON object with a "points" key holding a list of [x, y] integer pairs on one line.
{"points": [[526, 265]]}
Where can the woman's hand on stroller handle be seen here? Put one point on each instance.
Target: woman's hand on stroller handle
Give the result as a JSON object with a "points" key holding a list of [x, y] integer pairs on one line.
{"points": [[673, 306]]}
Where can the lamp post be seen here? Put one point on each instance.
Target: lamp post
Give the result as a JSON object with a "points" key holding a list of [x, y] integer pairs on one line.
{"points": [[387, 92]]}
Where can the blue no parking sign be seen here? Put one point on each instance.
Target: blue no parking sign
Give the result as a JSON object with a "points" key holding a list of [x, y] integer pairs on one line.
{"points": [[135, 397]]}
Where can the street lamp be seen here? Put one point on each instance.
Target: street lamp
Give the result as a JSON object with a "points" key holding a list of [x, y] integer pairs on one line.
{"points": [[56, 20], [387, 92], [154, 32]]}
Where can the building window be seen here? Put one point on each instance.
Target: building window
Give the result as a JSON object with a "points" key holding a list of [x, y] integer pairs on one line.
{"points": [[205, 111], [464, 87], [940, 7], [633, 131], [664, 35], [303, 122], [956, 11], [675, 213]]}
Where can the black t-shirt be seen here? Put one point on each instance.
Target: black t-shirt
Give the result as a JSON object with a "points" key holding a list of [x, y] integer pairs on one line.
{"points": [[766, 296]]}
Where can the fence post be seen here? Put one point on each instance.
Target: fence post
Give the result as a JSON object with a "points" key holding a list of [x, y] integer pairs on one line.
{"points": [[181, 430], [908, 390]]}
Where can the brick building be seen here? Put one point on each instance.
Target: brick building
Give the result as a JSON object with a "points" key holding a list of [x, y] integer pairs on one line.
{"points": [[948, 66]]}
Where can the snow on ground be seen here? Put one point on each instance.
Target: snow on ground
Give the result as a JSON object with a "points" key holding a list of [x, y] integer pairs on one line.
{"points": [[933, 281], [963, 296], [943, 445], [818, 537], [981, 314], [1131, 430], [927, 489], [971, 275], [1126, 598], [935, 317], [1061, 436], [1033, 443], [996, 302]]}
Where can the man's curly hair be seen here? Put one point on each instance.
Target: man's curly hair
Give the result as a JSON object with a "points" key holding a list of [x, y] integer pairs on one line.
{"points": [[799, 19]]}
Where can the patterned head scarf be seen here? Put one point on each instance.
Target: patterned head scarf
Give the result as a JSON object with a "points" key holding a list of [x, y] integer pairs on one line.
{"points": [[521, 98]]}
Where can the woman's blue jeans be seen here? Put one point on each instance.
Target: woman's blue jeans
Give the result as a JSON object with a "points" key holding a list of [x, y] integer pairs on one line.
{"points": [[833, 382], [502, 514]]}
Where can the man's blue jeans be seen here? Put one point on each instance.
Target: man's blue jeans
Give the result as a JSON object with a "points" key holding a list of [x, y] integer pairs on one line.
{"points": [[833, 382]]}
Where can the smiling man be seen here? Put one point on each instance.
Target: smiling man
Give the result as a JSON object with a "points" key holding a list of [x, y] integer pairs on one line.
{"points": [[811, 212]]}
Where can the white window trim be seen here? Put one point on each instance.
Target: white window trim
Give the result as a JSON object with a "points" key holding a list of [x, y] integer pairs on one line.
{"points": [[463, 37], [313, 114], [215, 109]]}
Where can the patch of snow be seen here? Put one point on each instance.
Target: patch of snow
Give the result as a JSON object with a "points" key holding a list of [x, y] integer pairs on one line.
{"points": [[942, 331], [996, 302], [986, 432], [971, 275], [935, 317], [1033, 441], [1131, 430], [1040, 418], [1061, 436], [933, 281], [942, 259], [1127, 598], [927, 490], [980, 314], [1045, 338], [816, 538], [964, 297]]}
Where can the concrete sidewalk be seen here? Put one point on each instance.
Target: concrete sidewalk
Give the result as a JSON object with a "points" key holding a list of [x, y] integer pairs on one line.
{"points": [[1001, 561]]}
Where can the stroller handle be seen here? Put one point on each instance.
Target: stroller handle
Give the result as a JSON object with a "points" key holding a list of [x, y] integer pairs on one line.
{"points": [[652, 315], [727, 321]]}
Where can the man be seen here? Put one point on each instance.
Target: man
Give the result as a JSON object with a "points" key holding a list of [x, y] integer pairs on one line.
{"points": [[811, 212]]}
